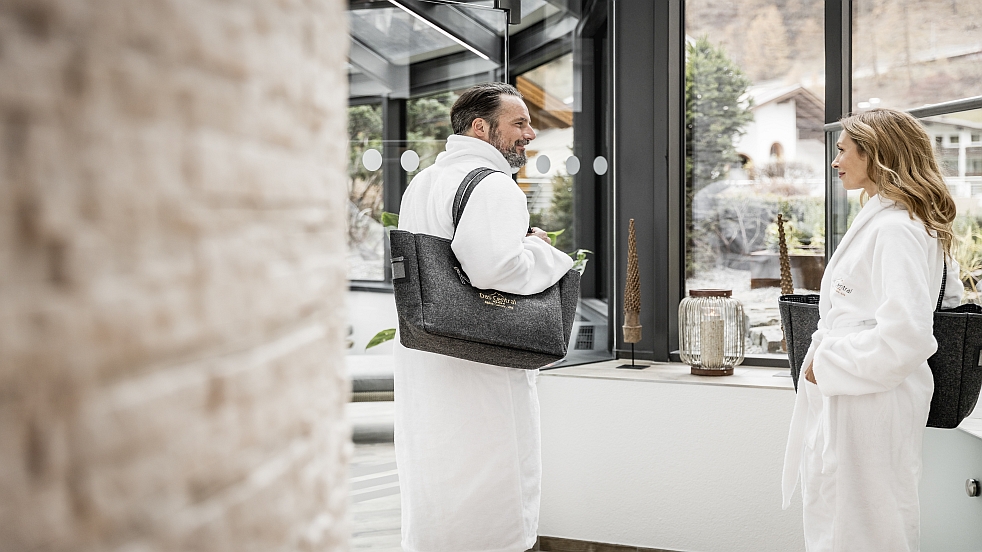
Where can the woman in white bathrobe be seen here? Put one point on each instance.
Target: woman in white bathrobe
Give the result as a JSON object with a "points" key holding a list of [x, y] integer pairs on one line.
{"points": [[864, 396], [466, 433]]}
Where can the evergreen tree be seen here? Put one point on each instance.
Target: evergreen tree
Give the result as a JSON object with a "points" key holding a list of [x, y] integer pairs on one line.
{"points": [[364, 133], [428, 122], [714, 118]]}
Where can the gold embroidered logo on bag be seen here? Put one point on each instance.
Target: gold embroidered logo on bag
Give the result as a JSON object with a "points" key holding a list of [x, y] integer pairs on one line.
{"points": [[496, 299]]}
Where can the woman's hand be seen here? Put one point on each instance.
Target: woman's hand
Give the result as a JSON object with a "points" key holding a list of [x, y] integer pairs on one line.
{"points": [[810, 374], [540, 233]]}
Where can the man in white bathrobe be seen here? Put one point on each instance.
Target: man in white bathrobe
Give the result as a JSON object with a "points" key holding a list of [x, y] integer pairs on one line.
{"points": [[466, 433]]}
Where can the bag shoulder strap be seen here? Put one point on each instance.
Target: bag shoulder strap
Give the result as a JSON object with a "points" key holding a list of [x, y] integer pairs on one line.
{"points": [[944, 280], [465, 190]]}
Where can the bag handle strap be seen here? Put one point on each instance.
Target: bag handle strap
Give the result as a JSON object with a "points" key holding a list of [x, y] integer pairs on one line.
{"points": [[465, 190], [944, 280]]}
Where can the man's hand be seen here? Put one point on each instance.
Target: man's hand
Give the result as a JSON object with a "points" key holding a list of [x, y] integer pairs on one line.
{"points": [[810, 374], [539, 233]]}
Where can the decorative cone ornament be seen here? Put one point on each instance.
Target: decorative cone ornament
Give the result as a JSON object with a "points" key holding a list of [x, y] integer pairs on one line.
{"points": [[632, 296], [787, 286]]}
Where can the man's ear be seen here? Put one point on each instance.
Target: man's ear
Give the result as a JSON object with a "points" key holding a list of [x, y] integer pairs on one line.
{"points": [[480, 128]]}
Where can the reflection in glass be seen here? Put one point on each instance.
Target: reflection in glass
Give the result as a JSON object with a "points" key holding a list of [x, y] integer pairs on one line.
{"points": [[365, 233], [755, 147], [403, 69], [956, 136], [959, 155], [427, 127], [548, 93], [908, 53]]}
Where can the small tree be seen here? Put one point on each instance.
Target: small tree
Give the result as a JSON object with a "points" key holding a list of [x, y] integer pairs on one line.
{"points": [[364, 133], [559, 216], [561, 211], [428, 121], [714, 118]]}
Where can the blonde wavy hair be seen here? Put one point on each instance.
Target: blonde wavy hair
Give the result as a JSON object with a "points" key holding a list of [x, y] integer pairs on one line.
{"points": [[901, 162]]}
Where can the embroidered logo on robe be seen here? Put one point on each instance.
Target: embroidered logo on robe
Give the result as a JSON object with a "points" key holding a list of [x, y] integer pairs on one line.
{"points": [[840, 287], [496, 299]]}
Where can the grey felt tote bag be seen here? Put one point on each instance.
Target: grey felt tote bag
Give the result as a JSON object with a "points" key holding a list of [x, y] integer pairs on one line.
{"points": [[955, 365], [441, 312]]}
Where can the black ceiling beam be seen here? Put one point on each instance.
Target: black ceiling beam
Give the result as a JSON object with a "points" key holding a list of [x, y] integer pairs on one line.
{"points": [[569, 6], [459, 25], [394, 78], [453, 71], [542, 43], [513, 8]]}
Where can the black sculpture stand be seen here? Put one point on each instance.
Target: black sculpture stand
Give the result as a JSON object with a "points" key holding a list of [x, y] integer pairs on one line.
{"points": [[632, 365]]}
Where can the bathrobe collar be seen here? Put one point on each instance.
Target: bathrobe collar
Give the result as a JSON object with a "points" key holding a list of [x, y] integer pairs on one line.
{"points": [[875, 205], [872, 207], [462, 147]]}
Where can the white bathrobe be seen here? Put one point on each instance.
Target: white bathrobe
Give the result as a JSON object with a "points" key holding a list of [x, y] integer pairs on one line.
{"points": [[467, 434], [855, 437]]}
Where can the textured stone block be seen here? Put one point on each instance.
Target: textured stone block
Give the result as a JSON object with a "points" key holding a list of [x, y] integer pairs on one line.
{"points": [[172, 199]]}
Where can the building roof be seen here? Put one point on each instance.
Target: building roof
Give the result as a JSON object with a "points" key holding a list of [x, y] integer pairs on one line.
{"points": [[809, 108]]}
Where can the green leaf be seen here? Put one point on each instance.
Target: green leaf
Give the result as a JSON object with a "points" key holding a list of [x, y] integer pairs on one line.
{"points": [[381, 337], [580, 260], [390, 220], [554, 235]]}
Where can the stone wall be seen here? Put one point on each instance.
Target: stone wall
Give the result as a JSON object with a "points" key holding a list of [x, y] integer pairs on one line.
{"points": [[171, 275]]}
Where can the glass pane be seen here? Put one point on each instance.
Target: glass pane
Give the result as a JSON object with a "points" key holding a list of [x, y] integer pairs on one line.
{"points": [[843, 204], [549, 184], [397, 35], [908, 53], [962, 166], [414, 61], [427, 127], [548, 91], [755, 148], [960, 157], [365, 233]]}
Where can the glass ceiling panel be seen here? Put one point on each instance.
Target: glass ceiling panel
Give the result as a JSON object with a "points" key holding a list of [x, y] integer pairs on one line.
{"points": [[398, 36]]}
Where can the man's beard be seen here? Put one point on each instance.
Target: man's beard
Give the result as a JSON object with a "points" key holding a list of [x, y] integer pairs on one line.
{"points": [[515, 159]]}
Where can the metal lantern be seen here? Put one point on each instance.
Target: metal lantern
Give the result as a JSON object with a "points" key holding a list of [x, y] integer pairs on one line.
{"points": [[711, 332]]}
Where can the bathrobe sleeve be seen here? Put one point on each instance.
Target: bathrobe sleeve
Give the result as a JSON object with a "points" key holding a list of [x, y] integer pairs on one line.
{"points": [[880, 358], [492, 247], [954, 288]]}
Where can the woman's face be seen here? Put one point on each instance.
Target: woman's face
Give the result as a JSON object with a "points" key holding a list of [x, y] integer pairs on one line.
{"points": [[851, 164]]}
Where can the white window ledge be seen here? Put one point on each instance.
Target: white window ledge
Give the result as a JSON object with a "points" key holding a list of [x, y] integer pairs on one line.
{"points": [[673, 372], [677, 373]]}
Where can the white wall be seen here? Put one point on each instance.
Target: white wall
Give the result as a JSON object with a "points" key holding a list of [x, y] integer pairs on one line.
{"points": [[774, 122], [663, 465], [951, 521], [698, 467]]}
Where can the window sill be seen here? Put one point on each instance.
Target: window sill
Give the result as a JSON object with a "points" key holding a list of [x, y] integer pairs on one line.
{"points": [[676, 373], [768, 361]]}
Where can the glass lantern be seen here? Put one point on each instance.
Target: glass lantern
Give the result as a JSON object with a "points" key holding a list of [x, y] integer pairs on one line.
{"points": [[711, 332]]}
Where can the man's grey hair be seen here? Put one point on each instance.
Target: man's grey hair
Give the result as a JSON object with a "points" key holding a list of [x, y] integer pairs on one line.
{"points": [[479, 102]]}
